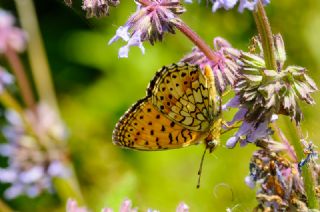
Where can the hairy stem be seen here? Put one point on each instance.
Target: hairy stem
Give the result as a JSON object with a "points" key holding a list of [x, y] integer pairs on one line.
{"points": [[187, 31], [266, 36], [36, 53], [22, 79], [308, 181]]}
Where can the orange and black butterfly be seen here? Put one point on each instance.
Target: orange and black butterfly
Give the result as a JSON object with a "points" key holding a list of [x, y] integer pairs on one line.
{"points": [[181, 108]]}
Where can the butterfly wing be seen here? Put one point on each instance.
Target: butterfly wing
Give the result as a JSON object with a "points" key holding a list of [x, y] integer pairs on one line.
{"points": [[181, 92], [143, 127]]}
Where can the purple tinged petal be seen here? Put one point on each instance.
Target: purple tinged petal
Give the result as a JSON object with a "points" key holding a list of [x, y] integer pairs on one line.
{"points": [[182, 207], [244, 129], [234, 102], [33, 191], [231, 142], [243, 142], [226, 4], [6, 150], [122, 32], [135, 40], [32, 175], [126, 206], [7, 175], [260, 132], [238, 116], [72, 206], [250, 182], [245, 4], [5, 78], [123, 52], [274, 117], [13, 118], [13, 191], [56, 168], [6, 19], [10, 36], [219, 43]]}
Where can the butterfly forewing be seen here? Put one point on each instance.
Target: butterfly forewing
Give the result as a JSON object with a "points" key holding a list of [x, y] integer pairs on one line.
{"points": [[181, 93], [143, 127]]}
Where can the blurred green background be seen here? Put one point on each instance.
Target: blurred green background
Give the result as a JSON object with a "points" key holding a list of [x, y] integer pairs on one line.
{"points": [[95, 88]]}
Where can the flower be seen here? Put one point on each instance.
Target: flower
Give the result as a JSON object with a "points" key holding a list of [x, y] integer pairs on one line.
{"points": [[98, 8], [5, 79], [151, 20], [260, 94], [225, 70], [72, 206], [182, 207], [10, 36], [278, 176], [276, 91], [34, 150], [229, 4]]}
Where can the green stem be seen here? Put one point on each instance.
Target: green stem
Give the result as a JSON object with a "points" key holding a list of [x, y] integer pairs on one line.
{"points": [[68, 188], [266, 36], [36, 53], [306, 172], [4, 207]]}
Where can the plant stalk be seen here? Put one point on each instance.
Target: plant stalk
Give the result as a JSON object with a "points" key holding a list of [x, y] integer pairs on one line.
{"points": [[36, 53], [22, 79], [187, 31], [266, 36]]}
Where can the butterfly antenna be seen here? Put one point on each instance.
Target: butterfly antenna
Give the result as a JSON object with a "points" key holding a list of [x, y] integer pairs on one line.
{"points": [[200, 168]]}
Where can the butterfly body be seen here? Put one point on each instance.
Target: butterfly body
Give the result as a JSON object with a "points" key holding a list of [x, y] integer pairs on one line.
{"points": [[180, 109]]}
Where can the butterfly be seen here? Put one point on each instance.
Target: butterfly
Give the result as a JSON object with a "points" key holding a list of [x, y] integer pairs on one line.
{"points": [[181, 108]]}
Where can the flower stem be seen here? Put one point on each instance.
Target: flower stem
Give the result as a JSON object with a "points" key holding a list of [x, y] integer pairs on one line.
{"points": [[36, 53], [20, 73], [309, 185], [185, 29], [4, 207], [68, 187], [266, 36]]}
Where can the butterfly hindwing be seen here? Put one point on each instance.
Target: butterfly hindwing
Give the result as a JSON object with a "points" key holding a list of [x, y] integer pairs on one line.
{"points": [[143, 127], [181, 92]]}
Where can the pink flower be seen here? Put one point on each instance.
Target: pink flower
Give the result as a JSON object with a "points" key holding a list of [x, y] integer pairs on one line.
{"points": [[152, 19], [10, 36]]}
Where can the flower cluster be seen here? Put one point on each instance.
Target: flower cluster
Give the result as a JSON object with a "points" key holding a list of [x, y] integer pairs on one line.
{"points": [[225, 70], [98, 8], [11, 37], [34, 150], [261, 94], [5, 79], [126, 206], [280, 184], [152, 19]]}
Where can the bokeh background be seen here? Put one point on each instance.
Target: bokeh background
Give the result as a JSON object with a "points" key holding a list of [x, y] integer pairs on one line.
{"points": [[95, 88]]}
